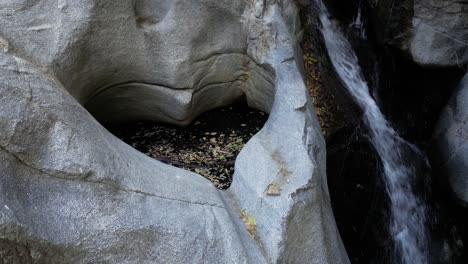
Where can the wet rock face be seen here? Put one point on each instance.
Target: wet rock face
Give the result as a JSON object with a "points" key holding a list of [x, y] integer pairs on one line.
{"points": [[412, 95], [334, 108], [393, 74], [72, 192], [450, 143], [359, 200]]}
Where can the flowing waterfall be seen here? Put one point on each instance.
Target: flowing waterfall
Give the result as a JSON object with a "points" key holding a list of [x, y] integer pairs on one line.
{"points": [[407, 223]]}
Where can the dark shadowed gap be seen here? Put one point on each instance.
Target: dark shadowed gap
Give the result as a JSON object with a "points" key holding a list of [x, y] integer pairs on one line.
{"points": [[208, 146]]}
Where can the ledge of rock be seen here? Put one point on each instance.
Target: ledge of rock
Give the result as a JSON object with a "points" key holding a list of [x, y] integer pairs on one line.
{"points": [[71, 192]]}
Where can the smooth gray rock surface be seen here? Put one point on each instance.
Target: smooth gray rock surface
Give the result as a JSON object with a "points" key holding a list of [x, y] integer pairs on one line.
{"points": [[440, 32], [450, 150], [433, 32], [71, 192], [289, 152]]}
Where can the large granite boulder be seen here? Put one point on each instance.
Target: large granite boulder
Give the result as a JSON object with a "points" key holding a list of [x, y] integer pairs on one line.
{"points": [[432, 32], [71, 192], [450, 148]]}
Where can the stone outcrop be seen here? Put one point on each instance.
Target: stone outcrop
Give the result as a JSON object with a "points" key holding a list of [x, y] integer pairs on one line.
{"points": [[71, 192], [432, 32], [450, 145]]}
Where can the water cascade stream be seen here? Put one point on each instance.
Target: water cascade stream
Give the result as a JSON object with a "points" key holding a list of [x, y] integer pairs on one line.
{"points": [[408, 212]]}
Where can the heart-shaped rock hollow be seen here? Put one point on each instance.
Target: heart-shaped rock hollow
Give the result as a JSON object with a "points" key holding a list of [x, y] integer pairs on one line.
{"points": [[216, 81], [72, 192]]}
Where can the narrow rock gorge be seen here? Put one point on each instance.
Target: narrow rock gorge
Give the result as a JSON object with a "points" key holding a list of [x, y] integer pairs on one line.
{"points": [[263, 131], [412, 56]]}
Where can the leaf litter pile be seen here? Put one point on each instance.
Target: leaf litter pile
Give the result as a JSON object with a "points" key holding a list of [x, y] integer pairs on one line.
{"points": [[209, 146]]}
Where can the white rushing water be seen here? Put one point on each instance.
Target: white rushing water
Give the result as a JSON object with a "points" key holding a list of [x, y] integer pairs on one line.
{"points": [[407, 223]]}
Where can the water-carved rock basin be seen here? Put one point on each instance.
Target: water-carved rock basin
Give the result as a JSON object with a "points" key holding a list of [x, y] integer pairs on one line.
{"points": [[71, 192]]}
